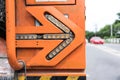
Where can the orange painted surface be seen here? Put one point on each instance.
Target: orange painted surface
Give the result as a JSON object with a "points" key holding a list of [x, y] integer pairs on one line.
{"points": [[10, 35], [21, 20]]}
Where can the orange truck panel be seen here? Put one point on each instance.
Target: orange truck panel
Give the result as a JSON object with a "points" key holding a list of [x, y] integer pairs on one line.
{"points": [[39, 46]]}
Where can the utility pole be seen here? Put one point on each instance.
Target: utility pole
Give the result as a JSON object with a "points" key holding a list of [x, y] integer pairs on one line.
{"points": [[111, 31], [95, 29]]}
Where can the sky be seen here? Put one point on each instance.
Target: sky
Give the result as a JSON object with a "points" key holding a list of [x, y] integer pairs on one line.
{"points": [[101, 12]]}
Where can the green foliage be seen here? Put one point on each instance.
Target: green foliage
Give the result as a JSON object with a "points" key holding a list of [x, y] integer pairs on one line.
{"points": [[89, 35], [116, 28], [118, 15], [105, 32]]}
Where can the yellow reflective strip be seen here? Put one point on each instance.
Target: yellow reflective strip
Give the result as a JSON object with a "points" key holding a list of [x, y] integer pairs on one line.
{"points": [[21, 78], [45, 78], [72, 78]]}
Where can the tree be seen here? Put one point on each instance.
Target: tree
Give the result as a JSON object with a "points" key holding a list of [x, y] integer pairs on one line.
{"points": [[118, 15], [116, 28], [104, 32], [89, 34]]}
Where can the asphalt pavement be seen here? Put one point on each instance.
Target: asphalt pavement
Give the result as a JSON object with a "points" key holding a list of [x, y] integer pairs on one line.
{"points": [[114, 46], [103, 62]]}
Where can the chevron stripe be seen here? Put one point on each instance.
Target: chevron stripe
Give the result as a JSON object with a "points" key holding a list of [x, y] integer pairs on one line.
{"points": [[54, 78], [72, 78], [21, 78], [45, 78]]}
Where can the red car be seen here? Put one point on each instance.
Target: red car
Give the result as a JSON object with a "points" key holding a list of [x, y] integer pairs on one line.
{"points": [[97, 40]]}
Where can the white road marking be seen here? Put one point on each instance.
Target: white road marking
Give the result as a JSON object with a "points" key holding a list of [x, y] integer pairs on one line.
{"points": [[88, 75], [106, 49]]}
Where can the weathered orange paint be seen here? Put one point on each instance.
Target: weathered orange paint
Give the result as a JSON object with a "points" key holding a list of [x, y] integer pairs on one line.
{"points": [[38, 13], [21, 20], [10, 35]]}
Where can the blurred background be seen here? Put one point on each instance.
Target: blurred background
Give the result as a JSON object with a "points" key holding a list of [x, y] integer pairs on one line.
{"points": [[103, 39]]}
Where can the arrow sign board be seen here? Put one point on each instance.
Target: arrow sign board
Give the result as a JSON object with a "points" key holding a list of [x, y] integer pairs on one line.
{"points": [[56, 45], [50, 43]]}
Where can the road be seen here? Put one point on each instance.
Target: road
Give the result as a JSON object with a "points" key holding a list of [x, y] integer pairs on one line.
{"points": [[103, 62], [114, 46]]}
